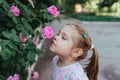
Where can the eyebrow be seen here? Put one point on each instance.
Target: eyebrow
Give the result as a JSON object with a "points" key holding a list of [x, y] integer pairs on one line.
{"points": [[64, 34]]}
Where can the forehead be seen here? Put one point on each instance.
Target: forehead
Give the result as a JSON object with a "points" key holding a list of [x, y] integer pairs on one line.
{"points": [[70, 31]]}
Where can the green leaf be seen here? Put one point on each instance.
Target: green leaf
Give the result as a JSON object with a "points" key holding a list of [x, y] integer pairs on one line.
{"points": [[41, 52], [10, 14], [23, 20], [18, 67], [14, 18], [22, 61], [27, 26], [16, 38], [24, 9], [13, 31], [2, 14], [7, 34], [4, 42], [31, 56], [24, 33], [6, 54], [13, 46], [1, 1], [6, 5], [20, 27]]}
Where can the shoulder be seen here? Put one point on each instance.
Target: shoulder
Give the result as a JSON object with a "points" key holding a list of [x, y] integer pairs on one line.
{"points": [[79, 75]]}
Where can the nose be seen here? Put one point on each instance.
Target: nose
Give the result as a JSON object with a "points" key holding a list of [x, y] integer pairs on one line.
{"points": [[56, 38]]}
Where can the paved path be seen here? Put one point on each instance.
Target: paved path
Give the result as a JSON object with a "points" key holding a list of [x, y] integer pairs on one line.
{"points": [[105, 37]]}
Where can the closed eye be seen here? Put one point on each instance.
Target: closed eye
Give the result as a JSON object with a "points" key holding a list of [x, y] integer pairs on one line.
{"points": [[64, 38]]}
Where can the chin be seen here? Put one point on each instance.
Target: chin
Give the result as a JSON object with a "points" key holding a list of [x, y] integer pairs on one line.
{"points": [[51, 49]]}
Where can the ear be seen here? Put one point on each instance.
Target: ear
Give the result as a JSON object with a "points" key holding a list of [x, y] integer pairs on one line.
{"points": [[76, 52]]}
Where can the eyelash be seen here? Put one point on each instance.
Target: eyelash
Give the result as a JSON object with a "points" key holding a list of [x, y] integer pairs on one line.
{"points": [[62, 37], [58, 34]]}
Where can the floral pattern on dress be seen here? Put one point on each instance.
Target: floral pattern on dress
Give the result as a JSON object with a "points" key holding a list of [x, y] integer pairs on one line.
{"points": [[70, 72]]}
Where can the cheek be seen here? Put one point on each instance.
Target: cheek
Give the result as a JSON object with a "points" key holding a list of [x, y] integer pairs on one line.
{"points": [[61, 48], [55, 49], [66, 47]]}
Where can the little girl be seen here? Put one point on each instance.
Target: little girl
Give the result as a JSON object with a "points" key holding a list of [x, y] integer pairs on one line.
{"points": [[71, 45]]}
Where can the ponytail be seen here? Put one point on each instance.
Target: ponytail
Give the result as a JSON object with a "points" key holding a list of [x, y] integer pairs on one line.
{"points": [[85, 43], [92, 68]]}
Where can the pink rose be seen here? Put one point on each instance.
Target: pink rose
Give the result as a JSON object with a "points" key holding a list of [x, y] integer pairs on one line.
{"points": [[10, 78], [14, 10], [53, 10], [48, 32], [35, 75], [36, 40], [15, 77], [22, 38]]}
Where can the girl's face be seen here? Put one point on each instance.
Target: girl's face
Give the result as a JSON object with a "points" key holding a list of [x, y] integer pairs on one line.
{"points": [[64, 42]]}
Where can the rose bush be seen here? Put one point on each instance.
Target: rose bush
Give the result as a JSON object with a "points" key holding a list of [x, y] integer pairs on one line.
{"points": [[19, 38]]}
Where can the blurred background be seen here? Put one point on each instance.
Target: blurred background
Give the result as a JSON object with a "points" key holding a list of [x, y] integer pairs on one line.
{"points": [[91, 10], [101, 18]]}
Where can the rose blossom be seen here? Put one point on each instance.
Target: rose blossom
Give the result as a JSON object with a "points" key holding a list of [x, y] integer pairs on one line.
{"points": [[48, 32], [15, 77], [14, 10], [36, 40], [35, 75], [10, 78], [22, 38], [53, 10]]}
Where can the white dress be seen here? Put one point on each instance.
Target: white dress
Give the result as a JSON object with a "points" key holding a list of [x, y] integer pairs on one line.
{"points": [[70, 72]]}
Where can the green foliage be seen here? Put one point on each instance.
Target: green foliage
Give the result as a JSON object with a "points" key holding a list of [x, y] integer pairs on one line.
{"points": [[89, 17], [68, 5], [15, 56], [106, 3]]}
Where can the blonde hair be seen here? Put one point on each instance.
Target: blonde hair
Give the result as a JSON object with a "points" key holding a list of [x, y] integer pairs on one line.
{"points": [[85, 44]]}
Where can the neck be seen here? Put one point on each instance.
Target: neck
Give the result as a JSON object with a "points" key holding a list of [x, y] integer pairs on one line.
{"points": [[65, 61]]}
